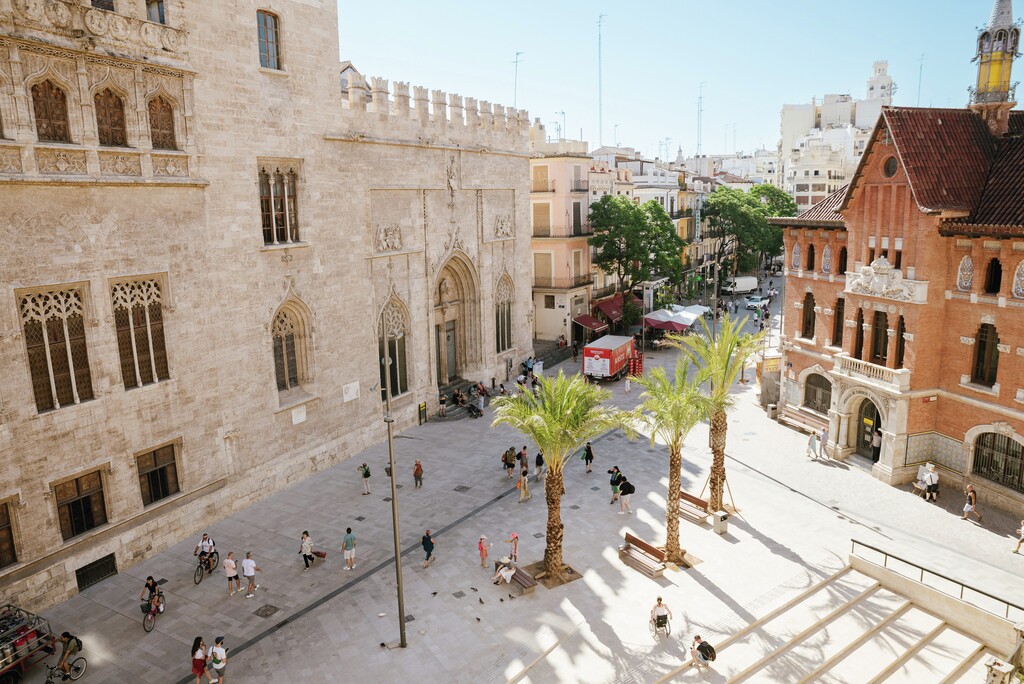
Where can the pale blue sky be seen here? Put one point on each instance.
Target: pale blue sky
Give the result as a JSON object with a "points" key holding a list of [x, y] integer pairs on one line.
{"points": [[754, 55]]}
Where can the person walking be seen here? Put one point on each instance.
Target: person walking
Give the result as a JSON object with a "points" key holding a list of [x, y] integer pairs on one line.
{"points": [[509, 459], [523, 457], [306, 549], [442, 401], [364, 470], [626, 488], [931, 481], [823, 442], [417, 474], [231, 572], [514, 549], [249, 570], [524, 485], [539, 466], [613, 481], [1020, 537], [575, 352], [218, 657], [348, 547], [812, 446], [483, 547], [628, 385], [876, 445], [588, 455], [428, 548], [199, 659], [971, 506]]}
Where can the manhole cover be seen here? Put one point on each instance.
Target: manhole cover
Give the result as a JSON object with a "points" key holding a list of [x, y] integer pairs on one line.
{"points": [[265, 611], [361, 518], [462, 489], [409, 618], [574, 507], [386, 498], [161, 581], [459, 594], [594, 489], [397, 486], [538, 535]]}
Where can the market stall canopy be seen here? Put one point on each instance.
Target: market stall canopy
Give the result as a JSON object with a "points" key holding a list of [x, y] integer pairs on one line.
{"points": [[612, 307], [591, 323], [663, 319]]}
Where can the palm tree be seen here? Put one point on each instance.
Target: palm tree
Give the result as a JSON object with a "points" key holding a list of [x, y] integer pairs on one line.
{"points": [[564, 414], [670, 408], [722, 359]]}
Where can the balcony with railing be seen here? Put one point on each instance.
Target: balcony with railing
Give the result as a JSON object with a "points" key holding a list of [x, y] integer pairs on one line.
{"points": [[542, 186], [565, 283], [892, 379], [603, 291], [578, 230], [580, 186]]}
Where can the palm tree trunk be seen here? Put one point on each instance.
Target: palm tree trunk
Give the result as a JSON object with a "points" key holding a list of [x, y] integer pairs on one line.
{"points": [[718, 430], [554, 488], [672, 550]]}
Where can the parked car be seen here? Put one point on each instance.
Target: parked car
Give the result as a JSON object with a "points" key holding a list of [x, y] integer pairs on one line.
{"points": [[755, 301]]}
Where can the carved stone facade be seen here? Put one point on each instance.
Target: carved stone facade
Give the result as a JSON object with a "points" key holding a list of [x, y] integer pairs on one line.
{"points": [[415, 239]]}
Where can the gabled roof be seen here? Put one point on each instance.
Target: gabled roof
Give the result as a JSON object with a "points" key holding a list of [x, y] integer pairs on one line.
{"points": [[946, 154], [1016, 121], [1002, 199], [823, 214]]}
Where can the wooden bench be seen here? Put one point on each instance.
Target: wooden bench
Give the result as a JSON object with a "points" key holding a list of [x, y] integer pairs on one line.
{"points": [[694, 507], [646, 558], [526, 583]]}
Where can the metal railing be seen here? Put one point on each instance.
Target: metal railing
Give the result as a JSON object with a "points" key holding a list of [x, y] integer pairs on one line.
{"points": [[563, 231], [580, 186], [564, 283], [604, 291], [542, 231], [542, 186], [963, 592], [898, 377]]}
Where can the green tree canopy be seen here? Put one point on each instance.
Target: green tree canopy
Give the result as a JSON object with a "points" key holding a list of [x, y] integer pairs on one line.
{"points": [[740, 220], [634, 243]]}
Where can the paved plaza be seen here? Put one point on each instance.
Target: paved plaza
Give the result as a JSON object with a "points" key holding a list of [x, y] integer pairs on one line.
{"points": [[794, 527]]}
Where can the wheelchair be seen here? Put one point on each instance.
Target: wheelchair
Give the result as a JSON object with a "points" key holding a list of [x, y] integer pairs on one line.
{"points": [[661, 623]]}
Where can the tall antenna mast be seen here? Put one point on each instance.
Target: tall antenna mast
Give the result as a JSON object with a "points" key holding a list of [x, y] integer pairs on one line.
{"points": [[920, 73], [600, 111], [700, 115], [515, 87]]}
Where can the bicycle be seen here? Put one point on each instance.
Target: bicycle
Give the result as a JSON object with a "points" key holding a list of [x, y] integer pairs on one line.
{"points": [[151, 610], [204, 565], [77, 669], [661, 623]]}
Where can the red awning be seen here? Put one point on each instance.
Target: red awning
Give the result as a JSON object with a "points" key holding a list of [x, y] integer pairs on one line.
{"points": [[612, 307], [591, 323]]}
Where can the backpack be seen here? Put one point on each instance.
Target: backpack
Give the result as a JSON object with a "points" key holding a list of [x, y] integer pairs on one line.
{"points": [[78, 642], [366, 471], [708, 650]]}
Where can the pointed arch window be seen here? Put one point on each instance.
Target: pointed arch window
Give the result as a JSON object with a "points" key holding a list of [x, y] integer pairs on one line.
{"points": [[826, 259], [1018, 281], [901, 343], [391, 343], [807, 326], [139, 323], [50, 107], [503, 316], [880, 338], [161, 124], [110, 124], [858, 339], [993, 276], [999, 458], [841, 269], [986, 356], [810, 257], [58, 358], [838, 322]]}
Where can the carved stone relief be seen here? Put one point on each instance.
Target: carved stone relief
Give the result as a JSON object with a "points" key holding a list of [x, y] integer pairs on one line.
{"points": [[120, 164], [880, 279], [67, 162], [965, 274], [503, 226], [389, 238], [170, 166]]}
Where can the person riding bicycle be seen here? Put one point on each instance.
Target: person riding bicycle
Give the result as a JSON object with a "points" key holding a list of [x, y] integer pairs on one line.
{"points": [[69, 649], [660, 613], [204, 548], [150, 591]]}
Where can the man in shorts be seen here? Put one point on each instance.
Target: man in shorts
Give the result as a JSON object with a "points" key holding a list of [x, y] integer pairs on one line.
{"points": [[1020, 537], [218, 657], [203, 549], [700, 653], [249, 571], [348, 545], [69, 649]]}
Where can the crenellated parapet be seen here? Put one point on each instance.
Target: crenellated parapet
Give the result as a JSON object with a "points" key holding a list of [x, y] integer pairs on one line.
{"points": [[431, 115]]}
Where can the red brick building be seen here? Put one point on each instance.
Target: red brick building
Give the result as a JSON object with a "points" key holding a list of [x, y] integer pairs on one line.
{"points": [[904, 296]]}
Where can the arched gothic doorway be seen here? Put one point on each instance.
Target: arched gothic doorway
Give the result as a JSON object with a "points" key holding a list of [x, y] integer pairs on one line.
{"points": [[456, 319], [868, 420]]}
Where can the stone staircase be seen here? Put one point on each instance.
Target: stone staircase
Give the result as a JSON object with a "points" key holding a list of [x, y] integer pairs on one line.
{"points": [[846, 628], [550, 353], [454, 411], [802, 419]]}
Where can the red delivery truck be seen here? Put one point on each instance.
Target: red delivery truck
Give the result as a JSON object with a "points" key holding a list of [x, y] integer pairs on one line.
{"points": [[608, 357]]}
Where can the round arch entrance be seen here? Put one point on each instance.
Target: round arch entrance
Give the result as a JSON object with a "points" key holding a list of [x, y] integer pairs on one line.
{"points": [[456, 319], [869, 419]]}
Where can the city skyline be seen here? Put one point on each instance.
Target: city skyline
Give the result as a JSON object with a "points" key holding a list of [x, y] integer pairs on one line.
{"points": [[650, 82]]}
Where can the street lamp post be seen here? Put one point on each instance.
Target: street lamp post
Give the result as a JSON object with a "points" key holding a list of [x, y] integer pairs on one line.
{"points": [[389, 421]]}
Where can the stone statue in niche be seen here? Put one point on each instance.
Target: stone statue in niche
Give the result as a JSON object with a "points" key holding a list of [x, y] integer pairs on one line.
{"points": [[443, 293], [389, 238]]}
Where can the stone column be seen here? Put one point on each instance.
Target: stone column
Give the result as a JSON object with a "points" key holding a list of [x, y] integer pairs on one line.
{"points": [[455, 110], [356, 93], [865, 349], [401, 99], [419, 97], [843, 436], [997, 671], [499, 118], [891, 343], [472, 114], [486, 116], [437, 100], [379, 94]]}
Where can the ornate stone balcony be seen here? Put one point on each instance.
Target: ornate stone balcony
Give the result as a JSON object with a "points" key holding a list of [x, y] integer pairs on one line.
{"points": [[114, 33], [891, 379], [80, 163]]}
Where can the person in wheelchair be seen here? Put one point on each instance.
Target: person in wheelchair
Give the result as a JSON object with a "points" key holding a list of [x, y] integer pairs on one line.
{"points": [[660, 614]]}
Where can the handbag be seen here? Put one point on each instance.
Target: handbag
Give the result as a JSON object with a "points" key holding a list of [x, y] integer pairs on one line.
{"points": [[320, 554]]}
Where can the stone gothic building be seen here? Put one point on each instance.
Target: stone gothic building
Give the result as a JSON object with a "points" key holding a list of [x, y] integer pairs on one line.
{"points": [[904, 295], [212, 235]]}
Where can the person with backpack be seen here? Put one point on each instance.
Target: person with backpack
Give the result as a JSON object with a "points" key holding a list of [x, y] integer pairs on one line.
{"points": [[625, 489], [588, 456], [702, 653], [509, 460], [364, 470], [614, 482], [539, 466], [70, 647], [417, 474]]}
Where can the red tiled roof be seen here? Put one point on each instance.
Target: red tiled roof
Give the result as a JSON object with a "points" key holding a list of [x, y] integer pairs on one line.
{"points": [[1002, 200], [825, 213], [946, 154], [1016, 121]]}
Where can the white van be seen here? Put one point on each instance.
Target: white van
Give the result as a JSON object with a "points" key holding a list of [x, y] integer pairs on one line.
{"points": [[740, 285]]}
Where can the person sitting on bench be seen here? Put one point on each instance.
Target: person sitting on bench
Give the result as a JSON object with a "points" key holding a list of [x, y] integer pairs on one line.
{"points": [[505, 571]]}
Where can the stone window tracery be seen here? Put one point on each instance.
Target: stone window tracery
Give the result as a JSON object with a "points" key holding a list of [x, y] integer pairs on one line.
{"points": [[826, 259], [1018, 281], [58, 358], [161, 124], [279, 209], [110, 125], [965, 274], [796, 257], [391, 333], [503, 315], [50, 107], [138, 321], [286, 359]]}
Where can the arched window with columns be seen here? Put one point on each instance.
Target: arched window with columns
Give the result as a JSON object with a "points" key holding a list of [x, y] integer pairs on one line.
{"points": [[50, 106], [999, 458], [503, 297], [110, 124], [392, 336], [292, 351]]}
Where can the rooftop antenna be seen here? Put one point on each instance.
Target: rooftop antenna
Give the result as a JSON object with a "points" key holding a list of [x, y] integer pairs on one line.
{"points": [[615, 134], [600, 111], [562, 128], [515, 87], [700, 115], [920, 72]]}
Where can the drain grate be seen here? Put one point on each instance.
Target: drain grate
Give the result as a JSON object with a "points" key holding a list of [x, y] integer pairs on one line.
{"points": [[595, 489], [386, 498], [360, 518], [574, 507], [462, 489], [410, 618], [162, 581], [398, 486], [459, 594], [538, 535], [265, 611]]}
